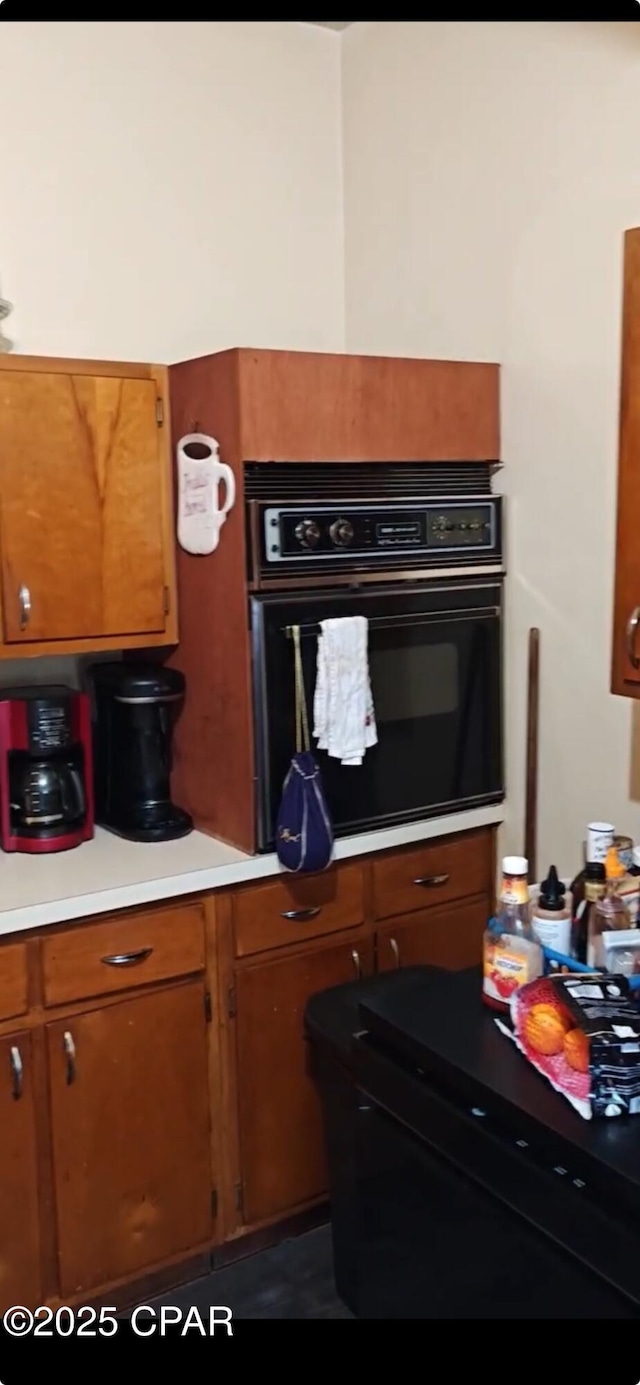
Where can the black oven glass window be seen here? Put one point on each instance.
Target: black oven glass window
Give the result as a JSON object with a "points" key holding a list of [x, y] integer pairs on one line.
{"points": [[435, 667], [418, 680]]}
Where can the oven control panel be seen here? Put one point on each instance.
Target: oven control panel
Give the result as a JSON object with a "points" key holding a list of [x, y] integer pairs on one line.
{"points": [[375, 532]]}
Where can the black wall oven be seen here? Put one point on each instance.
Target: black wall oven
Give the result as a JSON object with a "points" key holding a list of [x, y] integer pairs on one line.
{"points": [[420, 555]]}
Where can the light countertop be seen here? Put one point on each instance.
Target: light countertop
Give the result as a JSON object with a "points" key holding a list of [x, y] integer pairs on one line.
{"points": [[109, 873]]}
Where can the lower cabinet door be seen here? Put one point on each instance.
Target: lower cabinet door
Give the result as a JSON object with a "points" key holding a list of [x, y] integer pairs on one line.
{"points": [[20, 1272], [449, 937], [130, 1128], [281, 1137]]}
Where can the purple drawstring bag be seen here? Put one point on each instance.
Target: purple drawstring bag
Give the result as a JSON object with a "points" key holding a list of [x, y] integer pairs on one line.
{"points": [[304, 834]]}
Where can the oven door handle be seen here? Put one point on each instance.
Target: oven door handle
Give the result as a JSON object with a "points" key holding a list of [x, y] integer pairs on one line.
{"points": [[409, 622]]}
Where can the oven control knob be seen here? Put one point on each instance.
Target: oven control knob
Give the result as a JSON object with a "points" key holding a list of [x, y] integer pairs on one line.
{"points": [[307, 533], [341, 532]]}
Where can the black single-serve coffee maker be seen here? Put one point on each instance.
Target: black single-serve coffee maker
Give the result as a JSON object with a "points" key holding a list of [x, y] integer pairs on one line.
{"points": [[134, 707]]}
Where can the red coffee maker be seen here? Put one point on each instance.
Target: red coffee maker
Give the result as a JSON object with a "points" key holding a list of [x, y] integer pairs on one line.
{"points": [[46, 769]]}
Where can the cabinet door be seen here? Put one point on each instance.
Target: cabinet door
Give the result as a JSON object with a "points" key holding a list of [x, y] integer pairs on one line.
{"points": [[130, 1126], [20, 1276], [281, 1137], [450, 937], [81, 507], [626, 618]]}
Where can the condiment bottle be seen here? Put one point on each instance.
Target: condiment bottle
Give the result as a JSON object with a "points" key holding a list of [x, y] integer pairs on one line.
{"points": [[593, 889], [610, 913], [511, 955], [551, 917]]}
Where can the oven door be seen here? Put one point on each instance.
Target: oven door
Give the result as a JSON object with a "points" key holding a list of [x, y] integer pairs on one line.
{"points": [[435, 660]]}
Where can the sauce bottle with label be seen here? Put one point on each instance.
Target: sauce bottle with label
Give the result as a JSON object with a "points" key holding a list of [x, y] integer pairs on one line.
{"points": [[511, 955], [594, 887], [551, 921]]}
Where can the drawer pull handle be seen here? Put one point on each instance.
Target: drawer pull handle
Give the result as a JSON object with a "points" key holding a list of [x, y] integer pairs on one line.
{"points": [[300, 915], [632, 631], [24, 603], [15, 1059], [70, 1055], [395, 950], [355, 958], [429, 881], [127, 959]]}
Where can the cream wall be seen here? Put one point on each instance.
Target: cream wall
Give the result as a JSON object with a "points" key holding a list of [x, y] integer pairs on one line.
{"points": [[170, 189], [167, 190], [490, 170]]}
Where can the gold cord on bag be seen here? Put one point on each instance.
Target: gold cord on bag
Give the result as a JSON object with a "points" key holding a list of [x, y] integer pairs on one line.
{"points": [[302, 723]]}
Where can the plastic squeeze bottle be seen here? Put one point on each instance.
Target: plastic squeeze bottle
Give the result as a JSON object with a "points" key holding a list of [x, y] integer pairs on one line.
{"points": [[511, 955], [551, 917], [608, 913]]}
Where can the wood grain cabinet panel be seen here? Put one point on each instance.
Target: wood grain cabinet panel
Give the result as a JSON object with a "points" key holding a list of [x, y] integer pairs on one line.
{"points": [[130, 1130], [281, 1137], [450, 937], [13, 980], [433, 873], [625, 677], [291, 909], [20, 1270], [82, 507], [134, 950], [303, 406]]}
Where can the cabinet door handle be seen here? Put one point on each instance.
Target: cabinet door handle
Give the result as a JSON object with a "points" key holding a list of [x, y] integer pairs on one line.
{"points": [[395, 950], [127, 959], [632, 630], [428, 881], [355, 958], [300, 914], [70, 1055], [16, 1072], [24, 602]]}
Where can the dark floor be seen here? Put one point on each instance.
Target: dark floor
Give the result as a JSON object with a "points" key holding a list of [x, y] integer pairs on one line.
{"points": [[293, 1280]]}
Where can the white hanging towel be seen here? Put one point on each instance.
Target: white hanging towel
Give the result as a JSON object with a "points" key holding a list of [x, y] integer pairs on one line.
{"points": [[343, 714]]}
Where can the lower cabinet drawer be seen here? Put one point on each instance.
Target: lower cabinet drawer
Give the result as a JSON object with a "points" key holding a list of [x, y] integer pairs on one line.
{"points": [[433, 873], [134, 950], [13, 980], [292, 909]]}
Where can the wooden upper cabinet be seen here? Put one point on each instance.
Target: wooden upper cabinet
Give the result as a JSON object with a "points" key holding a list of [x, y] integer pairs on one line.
{"points": [[85, 512], [291, 406], [625, 676]]}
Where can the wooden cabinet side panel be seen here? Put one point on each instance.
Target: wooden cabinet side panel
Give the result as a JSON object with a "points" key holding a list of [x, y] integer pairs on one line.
{"points": [[625, 677], [301, 406], [213, 744]]}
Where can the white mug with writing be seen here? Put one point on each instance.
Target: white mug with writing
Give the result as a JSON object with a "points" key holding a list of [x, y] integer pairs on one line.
{"points": [[200, 471]]}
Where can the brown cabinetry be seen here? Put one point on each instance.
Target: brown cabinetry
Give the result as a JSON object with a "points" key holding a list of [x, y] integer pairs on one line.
{"points": [[625, 674], [155, 1087], [450, 937], [281, 1141], [292, 407], [424, 904], [85, 506], [20, 1269], [130, 1132]]}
